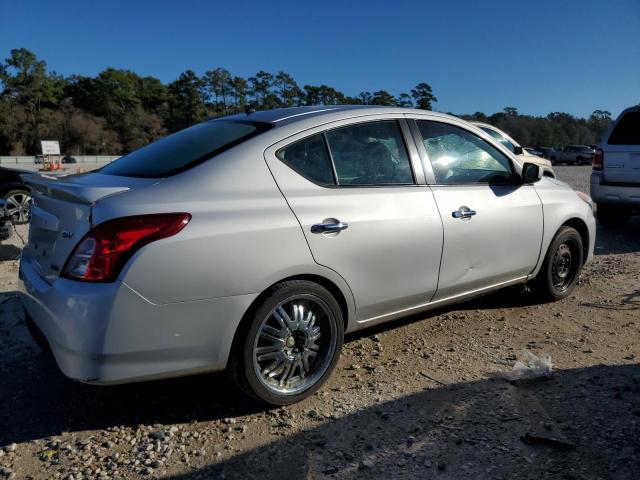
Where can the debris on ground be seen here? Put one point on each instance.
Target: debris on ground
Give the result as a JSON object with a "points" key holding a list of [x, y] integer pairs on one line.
{"points": [[549, 440], [532, 367]]}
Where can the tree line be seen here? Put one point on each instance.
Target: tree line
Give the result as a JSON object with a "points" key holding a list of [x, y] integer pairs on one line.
{"points": [[118, 111]]}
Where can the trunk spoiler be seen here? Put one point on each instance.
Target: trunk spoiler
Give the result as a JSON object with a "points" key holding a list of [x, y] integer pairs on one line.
{"points": [[58, 187]]}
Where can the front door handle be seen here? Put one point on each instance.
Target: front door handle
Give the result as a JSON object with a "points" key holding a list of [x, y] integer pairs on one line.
{"points": [[329, 227], [464, 213]]}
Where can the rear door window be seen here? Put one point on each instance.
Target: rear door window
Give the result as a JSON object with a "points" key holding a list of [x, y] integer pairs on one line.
{"points": [[184, 149], [627, 130], [371, 153]]}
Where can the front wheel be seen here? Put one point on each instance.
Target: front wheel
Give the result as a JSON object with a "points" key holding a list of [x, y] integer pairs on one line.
{"points": [[291, 345], [562, 266]]}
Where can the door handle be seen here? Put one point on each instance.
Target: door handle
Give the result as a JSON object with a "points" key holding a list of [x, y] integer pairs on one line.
{"points": [[464, 213], [329, 227]]}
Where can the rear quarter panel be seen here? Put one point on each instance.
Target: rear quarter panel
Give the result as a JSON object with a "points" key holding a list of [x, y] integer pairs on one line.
{"points": [[242, 237]]}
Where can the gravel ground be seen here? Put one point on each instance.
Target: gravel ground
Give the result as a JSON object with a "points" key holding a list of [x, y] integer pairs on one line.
{"points": [[420, 398]]}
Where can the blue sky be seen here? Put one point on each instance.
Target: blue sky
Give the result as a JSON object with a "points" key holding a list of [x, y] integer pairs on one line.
{"points": [[539, 56]]}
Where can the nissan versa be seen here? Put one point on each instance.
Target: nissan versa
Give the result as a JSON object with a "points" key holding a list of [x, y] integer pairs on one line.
{"points": [[252, 243]]}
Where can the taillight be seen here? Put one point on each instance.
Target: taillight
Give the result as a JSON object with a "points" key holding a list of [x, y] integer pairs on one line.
{"points": [[598, 160], [103, 251]]}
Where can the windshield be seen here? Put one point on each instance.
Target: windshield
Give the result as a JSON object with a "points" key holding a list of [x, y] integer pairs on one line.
{"points": [[184, 149]]}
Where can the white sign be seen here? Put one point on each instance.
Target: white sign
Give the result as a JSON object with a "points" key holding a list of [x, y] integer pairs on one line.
{"points": [[50, 147]]}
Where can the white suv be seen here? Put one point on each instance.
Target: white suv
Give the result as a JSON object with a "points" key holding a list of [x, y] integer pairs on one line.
{"points": [[615, 180]]}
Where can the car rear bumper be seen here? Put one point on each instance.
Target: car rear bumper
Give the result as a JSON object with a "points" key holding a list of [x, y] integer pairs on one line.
{"points": [[108, 333], [601, 192]]}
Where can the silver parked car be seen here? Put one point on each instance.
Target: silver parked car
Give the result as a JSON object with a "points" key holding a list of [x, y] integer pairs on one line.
{"points": [[254, 242]]}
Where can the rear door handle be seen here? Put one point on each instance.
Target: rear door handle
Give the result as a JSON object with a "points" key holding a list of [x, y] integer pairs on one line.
{"points": [[463, 213], [329, 227]]}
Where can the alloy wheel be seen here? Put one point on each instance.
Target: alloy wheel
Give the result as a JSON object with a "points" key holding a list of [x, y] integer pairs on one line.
{"points": [[295, 344], [18, 206]]}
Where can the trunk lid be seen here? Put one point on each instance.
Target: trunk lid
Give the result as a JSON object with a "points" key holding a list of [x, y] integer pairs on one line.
{"points": [[61, 213]]}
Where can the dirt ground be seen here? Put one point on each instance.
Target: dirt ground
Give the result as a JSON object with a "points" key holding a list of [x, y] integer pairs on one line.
{"points": [[419, 398]]}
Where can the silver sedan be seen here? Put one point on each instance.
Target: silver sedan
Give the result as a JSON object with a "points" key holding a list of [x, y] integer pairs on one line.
{"points": [[253, 243]]}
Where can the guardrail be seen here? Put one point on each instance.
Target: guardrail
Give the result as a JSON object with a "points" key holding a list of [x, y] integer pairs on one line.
{"points": [[30, 160]]}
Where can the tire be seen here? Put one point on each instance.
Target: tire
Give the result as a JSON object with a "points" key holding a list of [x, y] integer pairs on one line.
{"points": [[18, 202], [553, 160], [299, 350], [612, 215], [562, 266]]}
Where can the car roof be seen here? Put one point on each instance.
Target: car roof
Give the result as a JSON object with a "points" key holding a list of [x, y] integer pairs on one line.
{"points": [[287, 116]]}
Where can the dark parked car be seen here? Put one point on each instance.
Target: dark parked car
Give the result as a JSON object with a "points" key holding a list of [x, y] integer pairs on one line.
{"points": [[15, 193], [573, 155], [533, 151], [547, 152], [69, 159]]}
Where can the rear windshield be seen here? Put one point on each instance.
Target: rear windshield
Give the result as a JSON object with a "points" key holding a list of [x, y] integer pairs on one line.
{"points": [[184, 149], [627, 131]]}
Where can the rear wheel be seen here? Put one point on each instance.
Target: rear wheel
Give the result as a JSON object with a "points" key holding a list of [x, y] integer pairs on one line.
{"points": [[291, 345], [612, 215], [562, 266]]}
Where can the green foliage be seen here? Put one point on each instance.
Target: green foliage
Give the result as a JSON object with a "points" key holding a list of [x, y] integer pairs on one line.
{"points": [[555, 130], [384, 98], [186, 101], [118, 110], [423, 96]]}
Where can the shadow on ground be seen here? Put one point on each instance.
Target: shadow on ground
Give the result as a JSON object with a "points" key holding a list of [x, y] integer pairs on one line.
{"points": [[37, 400], [470, 429], [579, 424], [616, 240], [31, 382], [9, 252]]}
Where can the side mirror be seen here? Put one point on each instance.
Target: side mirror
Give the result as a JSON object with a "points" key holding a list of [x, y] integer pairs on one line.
{"points": [[518, 150], [531, 173]]}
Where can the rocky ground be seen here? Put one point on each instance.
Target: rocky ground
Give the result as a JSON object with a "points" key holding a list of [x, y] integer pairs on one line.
{"points": [[420, 398]]}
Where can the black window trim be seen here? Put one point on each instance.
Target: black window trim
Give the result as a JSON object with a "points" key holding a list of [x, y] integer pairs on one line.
{"points": [[423, 151], [405, 140]]}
